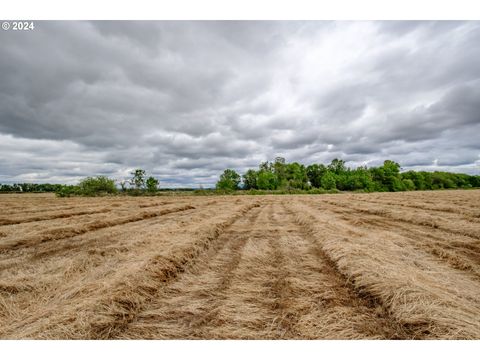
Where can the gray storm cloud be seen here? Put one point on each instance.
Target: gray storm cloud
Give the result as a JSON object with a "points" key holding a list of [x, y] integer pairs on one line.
{"points": [[185, 100]]}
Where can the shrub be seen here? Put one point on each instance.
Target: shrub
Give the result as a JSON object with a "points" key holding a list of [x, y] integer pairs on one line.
{"points": [[152, 184], [67, 191], [99, 185]]}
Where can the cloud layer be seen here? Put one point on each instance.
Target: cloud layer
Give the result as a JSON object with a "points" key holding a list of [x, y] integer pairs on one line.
{"points": [[184, 100]]}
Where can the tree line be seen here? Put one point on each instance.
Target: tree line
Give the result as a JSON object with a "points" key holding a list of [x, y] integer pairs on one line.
{"points": [[138, 184], [277, 175], [280, 175], [29, 187]]}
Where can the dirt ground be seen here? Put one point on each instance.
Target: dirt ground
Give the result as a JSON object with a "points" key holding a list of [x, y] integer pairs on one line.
{"points": [[343, 266]]}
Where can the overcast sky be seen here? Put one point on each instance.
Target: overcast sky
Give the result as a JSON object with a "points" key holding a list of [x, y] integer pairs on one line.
{"points": [[185, 100]]}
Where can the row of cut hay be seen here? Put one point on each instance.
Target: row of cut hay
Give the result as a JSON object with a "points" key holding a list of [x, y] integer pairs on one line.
{"points": [[104, 241], [45, 206], [459, 251], [113, 315], [70, 231], [171, 202], [452, 225], [58, 215], [7, 288], [30, 206], [456, 210], [426, 297], [155, 204], [93, 206], [20, 203], [42, 208]]}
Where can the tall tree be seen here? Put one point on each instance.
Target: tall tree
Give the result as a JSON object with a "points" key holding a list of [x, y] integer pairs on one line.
{"points": [[315, 173], [138, 179], [328, 181], [250, 180], [229, 180], [267, 180], [337, 166]]}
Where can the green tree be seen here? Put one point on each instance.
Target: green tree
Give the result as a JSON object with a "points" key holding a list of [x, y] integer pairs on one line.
{"points": [[358, 179], [229, 180], [408, 184], [68, 190], [250, 180], [337, 166], [267, 166], [474, 181], [461, 180], [152, 184], [391, 168], [328, 181], [442, 180], [97, 185], [266, 180], [395, 184], [388, 176], [123, 185], [315, 173], [416, 177], [138, 179], [296, 176], [428, 179], [279, 168]]}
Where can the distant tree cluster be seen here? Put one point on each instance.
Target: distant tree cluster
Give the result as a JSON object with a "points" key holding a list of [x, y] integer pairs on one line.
{"points": [[279, 175], [90, 186], [138, 184], [29, 187], [141, 183]]}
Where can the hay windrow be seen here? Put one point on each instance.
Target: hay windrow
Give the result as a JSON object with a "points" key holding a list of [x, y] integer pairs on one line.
{"points": [[70, 231]]}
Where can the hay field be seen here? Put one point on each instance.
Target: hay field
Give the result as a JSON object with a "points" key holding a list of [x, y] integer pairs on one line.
{"points": [[347, 266]]}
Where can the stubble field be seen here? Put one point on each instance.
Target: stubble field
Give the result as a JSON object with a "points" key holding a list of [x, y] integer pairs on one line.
{"points": [[346, 266]]}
